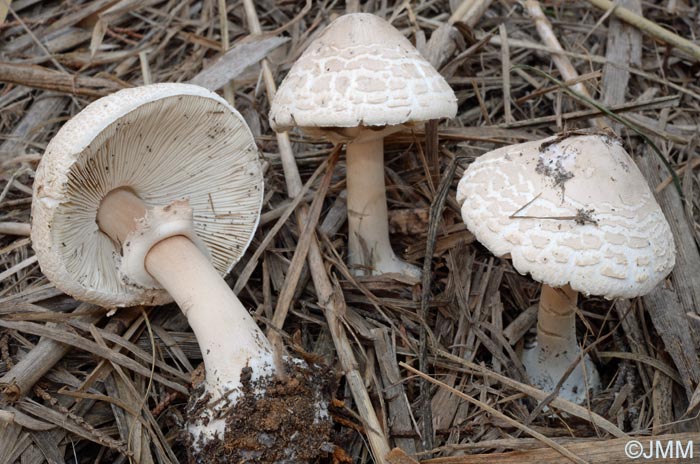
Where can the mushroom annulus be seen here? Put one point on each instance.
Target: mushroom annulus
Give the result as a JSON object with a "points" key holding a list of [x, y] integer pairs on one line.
{"points": [[574, 212], [150, 195], [358, 82]]}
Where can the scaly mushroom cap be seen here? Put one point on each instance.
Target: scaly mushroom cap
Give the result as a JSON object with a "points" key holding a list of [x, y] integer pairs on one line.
{"points": [[571, 211], [360, 71], [165, 142]]}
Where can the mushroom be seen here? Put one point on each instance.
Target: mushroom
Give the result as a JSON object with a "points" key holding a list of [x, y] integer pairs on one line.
{"points": [[358, 82], [152, 194], [574, 212]]}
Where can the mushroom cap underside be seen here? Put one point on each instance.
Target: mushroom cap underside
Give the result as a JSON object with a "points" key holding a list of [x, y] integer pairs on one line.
{"points": [[570, 210], [164, 142], [360, 71]]}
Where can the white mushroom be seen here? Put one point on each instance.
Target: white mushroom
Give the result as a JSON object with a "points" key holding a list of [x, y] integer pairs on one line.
{"points": [[150, 194], [575, 213], [359, 81]]}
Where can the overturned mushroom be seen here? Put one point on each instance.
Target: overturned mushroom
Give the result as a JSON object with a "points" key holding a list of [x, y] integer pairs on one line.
{"points": [[358, 82], [575, 213], [151, 194]]}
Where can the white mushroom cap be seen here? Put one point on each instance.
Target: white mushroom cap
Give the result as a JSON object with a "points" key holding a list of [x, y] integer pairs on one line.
{"points": [[165, 142], [360, 71], [591, 220]]}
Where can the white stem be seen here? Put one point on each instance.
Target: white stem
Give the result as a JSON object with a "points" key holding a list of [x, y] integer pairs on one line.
{"points": [[227, 335], [369, 249], [557, 348], [556, 323]]}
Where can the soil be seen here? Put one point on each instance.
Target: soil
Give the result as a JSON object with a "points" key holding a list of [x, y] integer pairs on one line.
{"points": [[282, 425], [585, 216], [558, 173]]}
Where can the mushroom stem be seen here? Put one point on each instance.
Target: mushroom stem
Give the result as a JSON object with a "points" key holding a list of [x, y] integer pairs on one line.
{"points": [[557, 348], [228, 336], [556, 322], [369, 249], [118, 213]]}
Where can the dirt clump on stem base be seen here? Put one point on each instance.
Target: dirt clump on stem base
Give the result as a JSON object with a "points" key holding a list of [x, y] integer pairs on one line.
{"points": [[281, 420]]}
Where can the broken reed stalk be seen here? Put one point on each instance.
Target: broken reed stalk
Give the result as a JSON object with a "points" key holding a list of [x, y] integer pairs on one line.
{"points": [[495, 413], [539, 395], [4, 8], [125, 323], [649, 27], [544, 29], [18, 267], [42, 110], [19, 380], [567, 70], [436, 208], [592, 451], [286, 294], [330, 298], [505, 72], [39, 77], [526, 44], [290, 208], [229, 87], [469, 12], [69, 338], [14, 228]]}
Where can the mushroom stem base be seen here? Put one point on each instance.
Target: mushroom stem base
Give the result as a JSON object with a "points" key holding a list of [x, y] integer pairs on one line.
{"points": [[274, 420], [369, 249], [556, 349]]}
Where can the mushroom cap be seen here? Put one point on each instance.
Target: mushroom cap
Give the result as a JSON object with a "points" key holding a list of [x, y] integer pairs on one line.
{"points": [[571, 211], [165, 142], [360, 71]]}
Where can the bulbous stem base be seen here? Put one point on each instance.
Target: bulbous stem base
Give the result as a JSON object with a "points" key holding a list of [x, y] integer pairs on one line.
{"points": [[369, 249], [557, 349]]}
